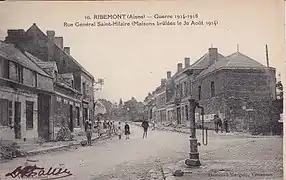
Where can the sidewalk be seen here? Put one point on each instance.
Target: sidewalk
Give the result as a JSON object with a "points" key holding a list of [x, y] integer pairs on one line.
{"points": [[31, 149], [256, 160], [186, 130]]}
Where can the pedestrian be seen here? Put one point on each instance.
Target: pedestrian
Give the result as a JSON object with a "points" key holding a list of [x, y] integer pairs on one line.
{"points": [[86, 125], [216, 122], [104, 124], [127, 130], [145, 126], [89, 132], [113, 127], [109, 128], [220, 124], [119, 130], [225, 122]]}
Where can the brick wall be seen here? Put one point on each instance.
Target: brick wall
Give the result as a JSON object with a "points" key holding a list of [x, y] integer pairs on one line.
{"points": [[233, 90]]}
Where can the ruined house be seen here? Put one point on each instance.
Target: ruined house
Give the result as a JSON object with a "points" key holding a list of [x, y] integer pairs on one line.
{"points": [[72, 99]]}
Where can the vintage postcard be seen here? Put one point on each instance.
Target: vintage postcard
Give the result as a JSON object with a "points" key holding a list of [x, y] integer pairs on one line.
{"points": [[142, 90]]}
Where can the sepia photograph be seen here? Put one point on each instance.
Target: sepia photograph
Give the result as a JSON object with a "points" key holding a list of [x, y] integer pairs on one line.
{"points": [[142, 90]]}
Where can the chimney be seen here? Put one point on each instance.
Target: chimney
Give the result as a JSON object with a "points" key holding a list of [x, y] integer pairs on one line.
{"points": [[267, 59], [51, 34], [187, 62], [59, 41], [179, 67], [163, 82], [67, 50], [213, 55], [51, 45], [169, 74]]}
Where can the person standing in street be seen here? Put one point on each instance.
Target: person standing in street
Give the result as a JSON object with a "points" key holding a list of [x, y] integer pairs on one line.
{"points": [[145, 126], [127, 130], [216, 119], [89, 132], [119, 130], [225, 122]]}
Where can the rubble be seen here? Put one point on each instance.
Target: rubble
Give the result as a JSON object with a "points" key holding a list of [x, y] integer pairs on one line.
{"points": [[64, 134], [10, 149]]}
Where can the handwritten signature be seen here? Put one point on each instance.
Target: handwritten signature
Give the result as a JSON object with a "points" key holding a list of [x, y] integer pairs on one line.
{"points": [[35, 171]]}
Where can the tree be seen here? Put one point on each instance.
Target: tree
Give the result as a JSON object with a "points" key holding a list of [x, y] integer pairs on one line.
{"points": [[120, 102]]}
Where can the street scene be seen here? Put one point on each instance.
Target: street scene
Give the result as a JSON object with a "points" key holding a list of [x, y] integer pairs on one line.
{"points": [[126, 104]]}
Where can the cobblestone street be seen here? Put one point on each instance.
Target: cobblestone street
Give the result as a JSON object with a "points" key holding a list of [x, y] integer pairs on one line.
{"points": [[134, 158]]}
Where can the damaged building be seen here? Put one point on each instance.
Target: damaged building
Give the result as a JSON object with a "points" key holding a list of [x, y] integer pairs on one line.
{"points": [[235, 87], [71, 101]]}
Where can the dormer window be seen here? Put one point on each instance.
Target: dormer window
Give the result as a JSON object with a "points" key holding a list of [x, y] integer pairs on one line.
{"points": [[56, 75], [72, 84]]}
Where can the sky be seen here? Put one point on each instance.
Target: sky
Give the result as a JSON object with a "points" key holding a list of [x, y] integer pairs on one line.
{"points": [[132, 60]]}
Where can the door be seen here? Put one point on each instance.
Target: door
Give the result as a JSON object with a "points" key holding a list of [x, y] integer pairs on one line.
{"points": [[179, 115], [187, 112], [71, 119], [84, 115], [44, 116], [17, 120], [77, 116]]}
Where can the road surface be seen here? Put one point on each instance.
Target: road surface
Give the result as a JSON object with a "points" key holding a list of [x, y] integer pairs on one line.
{"points": [[130, 159]]}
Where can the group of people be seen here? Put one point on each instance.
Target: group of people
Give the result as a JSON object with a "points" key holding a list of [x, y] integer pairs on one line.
{"points": [[111, 128], [219, 124]]}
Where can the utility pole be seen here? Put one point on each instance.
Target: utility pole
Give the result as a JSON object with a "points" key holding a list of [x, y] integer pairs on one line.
{"points": [[269, 83]]}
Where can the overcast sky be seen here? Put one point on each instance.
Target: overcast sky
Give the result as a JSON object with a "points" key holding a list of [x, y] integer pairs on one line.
{"points": [[133, 60]]}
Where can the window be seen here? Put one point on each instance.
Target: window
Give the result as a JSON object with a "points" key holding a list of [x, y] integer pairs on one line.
{"points": [[72, 84], [6, 69], [19, 71], [77, 116], [36, 79], [212, 89], [4, 112], [185, 88], [29, 114], [190, 89], [10, 112], [84, 89], [200, 91], [177, 90]]}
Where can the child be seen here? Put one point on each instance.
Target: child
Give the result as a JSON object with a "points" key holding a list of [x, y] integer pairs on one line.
{"points": [[119, 130], [127, 130]]}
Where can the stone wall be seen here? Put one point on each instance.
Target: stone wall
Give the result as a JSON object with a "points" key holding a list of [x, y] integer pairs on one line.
{"points": [[12, 95]]}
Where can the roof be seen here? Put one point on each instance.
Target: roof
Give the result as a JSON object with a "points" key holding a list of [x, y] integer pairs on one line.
{"points": [[42, 64], [203, 62], [75, 61], [236, 60], [35, 27], [10, 52]]}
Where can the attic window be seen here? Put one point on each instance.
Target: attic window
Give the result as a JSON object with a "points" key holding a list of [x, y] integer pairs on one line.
{"points": [[200, 91], [212, 89]]}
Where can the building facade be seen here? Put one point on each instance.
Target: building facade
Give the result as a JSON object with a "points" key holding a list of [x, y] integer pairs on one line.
{"points": [[72, 99], [24, 88], [235, 87]]}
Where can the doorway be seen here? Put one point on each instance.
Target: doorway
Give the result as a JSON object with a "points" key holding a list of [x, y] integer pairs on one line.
{"points": [[71, 119], [178, 115], [17, 120], [187, 112], [44, 116]]}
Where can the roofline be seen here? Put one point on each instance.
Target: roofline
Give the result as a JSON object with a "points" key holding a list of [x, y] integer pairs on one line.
{"points": [[37, 64], [9, 59], [81, 67], [232, 68]]}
